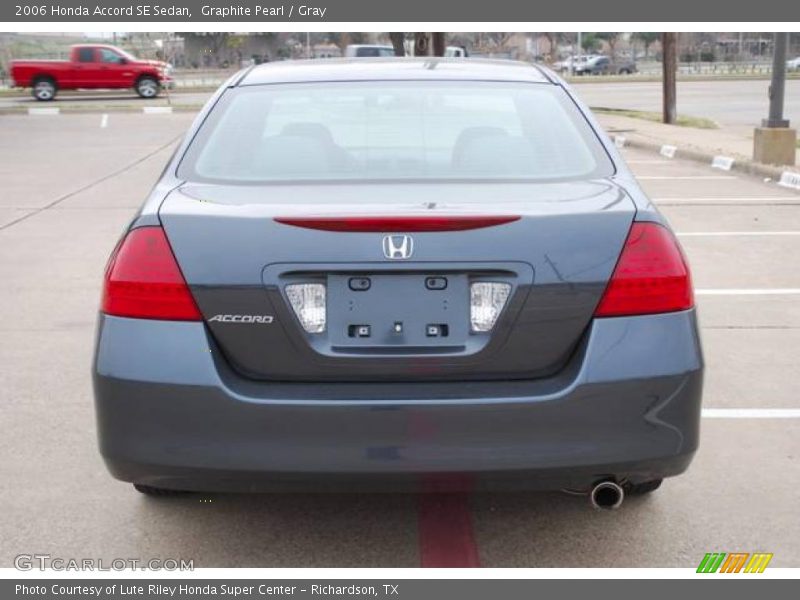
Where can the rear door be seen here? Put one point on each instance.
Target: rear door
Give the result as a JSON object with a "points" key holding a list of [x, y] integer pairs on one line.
{"points": [[113, 69], [83, 72]]}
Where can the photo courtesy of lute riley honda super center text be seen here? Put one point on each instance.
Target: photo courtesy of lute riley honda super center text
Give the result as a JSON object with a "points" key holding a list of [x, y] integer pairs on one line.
{"points": [[176, 590]]}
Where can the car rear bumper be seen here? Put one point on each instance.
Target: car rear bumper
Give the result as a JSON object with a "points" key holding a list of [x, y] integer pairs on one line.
{"points": [[172, 414]]}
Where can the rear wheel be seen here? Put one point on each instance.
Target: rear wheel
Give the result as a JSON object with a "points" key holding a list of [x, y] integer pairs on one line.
{"points": [[44, 89], [147, 87], [639, 489], [149, 490]]}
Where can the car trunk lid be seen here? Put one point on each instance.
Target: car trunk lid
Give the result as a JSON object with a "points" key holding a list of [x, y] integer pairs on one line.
{"points": [[396, 312]]}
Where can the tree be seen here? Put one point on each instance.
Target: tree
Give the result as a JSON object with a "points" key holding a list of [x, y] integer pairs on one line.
{"points": [[590, 42], [216, 42], [611, 39], [422, 44], [344, 39], [552, 45], [398, 43], [648, 38], [439, 44], [429, 44]]}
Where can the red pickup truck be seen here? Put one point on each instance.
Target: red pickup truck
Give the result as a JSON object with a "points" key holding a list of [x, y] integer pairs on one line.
{"points": [[91, 67]]}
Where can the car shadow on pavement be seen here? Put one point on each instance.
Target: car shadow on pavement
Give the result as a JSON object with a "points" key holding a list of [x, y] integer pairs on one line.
{"points": [[554, 529], [281, 530]]}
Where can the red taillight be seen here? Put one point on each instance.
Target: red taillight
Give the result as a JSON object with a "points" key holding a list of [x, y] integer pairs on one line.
{"points": [[651, 275], [398, 224], [143, 280]]}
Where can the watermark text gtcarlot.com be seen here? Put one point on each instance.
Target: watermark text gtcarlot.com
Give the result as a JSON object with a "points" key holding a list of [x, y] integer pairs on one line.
{"points": [[42, 562]]}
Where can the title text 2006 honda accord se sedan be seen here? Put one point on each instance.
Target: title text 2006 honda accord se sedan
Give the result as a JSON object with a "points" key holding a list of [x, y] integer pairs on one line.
{"points": [[397, 274]]}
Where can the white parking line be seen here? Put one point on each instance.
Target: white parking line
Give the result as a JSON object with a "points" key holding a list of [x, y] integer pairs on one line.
{"points": [[730, 200], [685, 177], [748, 292], [104, 121], [751, 413], [734, 233], [647, 161]]}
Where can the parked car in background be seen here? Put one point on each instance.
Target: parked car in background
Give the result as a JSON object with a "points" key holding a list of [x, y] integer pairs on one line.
{"points": [[368, 51], [377, 51], [565, 66], [390, 272], [91, 66], [793, 64], [603, 65], [456, 52]]}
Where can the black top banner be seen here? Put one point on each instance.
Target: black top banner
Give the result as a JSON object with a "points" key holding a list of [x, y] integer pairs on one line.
{"points": [[472, 11]]}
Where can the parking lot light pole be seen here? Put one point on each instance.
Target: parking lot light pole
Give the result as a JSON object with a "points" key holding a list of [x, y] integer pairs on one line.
{"points": [[669, 65], [576, 54], [777, 86], [775, 142]]}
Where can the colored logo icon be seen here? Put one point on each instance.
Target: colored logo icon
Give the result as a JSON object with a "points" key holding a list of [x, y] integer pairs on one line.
{"points": [[734, 562]]}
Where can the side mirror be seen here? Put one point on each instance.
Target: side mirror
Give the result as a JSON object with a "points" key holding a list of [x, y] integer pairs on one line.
{"points": [[123, 60]]}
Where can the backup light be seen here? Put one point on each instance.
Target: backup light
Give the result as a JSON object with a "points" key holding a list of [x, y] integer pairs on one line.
{"points": [[308, 303], [486, 302]]}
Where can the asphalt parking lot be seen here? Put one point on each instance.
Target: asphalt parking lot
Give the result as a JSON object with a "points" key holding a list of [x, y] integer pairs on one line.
{"points": [[69, 186]]}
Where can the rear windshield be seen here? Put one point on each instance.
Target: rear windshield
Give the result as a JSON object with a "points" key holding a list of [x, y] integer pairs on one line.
{"points": [[394, 130]]}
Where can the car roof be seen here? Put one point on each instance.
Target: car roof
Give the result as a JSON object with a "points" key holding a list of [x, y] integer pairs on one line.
{"points": [[377, 69]]}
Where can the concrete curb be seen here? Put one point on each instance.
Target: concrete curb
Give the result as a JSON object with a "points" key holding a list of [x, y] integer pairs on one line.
{"points": [[741, 165]]}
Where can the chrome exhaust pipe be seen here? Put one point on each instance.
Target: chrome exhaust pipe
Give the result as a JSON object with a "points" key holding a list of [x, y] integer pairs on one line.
{"points": [[606, 495]]}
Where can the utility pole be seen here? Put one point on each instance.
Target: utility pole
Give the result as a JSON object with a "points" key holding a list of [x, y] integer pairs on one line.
{"points": [[572, 56], [774, 142], [778, 85], [576, 53], [670, 69]]}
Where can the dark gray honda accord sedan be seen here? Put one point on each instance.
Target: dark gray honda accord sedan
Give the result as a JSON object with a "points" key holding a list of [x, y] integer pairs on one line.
{"points": [[397, 274]]}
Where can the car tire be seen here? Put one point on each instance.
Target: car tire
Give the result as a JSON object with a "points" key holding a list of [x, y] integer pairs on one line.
{"points": [[44, 89], [624, 71], [646, 487], [149, 490], [147, 87]]}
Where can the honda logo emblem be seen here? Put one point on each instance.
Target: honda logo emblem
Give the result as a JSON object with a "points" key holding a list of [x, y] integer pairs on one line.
{"points": [[398, 247]]}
